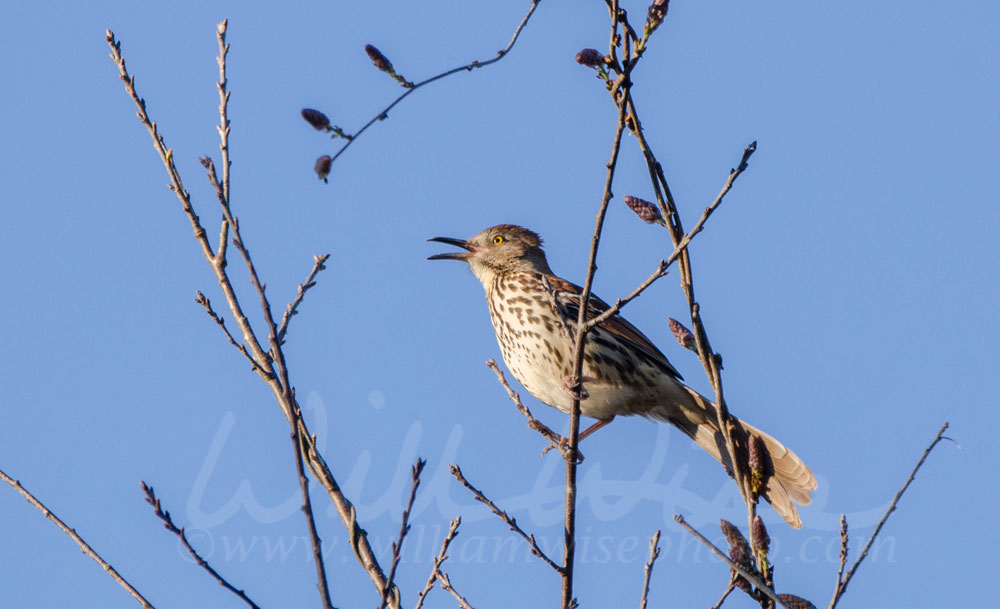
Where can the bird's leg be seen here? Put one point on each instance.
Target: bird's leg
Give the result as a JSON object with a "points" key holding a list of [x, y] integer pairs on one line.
{"points": [[599, 424]]}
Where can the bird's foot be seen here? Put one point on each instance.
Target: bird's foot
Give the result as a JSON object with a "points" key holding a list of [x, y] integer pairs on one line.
{"points": [[575, 388], [563, 446]]}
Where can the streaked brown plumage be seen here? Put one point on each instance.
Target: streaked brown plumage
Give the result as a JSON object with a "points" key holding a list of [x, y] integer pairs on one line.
{"points": [[625, 373]]}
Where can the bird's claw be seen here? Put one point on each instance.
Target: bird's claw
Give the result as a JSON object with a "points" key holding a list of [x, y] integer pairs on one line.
{"points": [[563, 447]]}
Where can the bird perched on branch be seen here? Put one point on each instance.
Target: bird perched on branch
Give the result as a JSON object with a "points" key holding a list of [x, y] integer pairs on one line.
{"points": [[534, 315]]}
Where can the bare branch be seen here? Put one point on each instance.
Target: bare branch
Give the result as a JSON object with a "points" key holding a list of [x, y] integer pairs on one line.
{"points": [[279, 379], [654, 553], [292, 309], [84, 546], [280, 383], [223, 132], [223, 246], [275, 355], [621, 93], [843, 561], [555, 440], [842, 587], [681, 247], [205, 302], [168, 524], [620, 89], [467, 68], [404, 528], [750, 577], [445, 582], [177, 186], [297, 436], [660, 271], [270, 365], [569, 529], [357, 536], [710, 360], [725, 595], [220, 191], [456, 471], [166, 154], [438, 561]]}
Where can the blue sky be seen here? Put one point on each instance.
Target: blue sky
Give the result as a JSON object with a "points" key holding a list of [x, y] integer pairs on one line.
{"points": [[848, 281]]}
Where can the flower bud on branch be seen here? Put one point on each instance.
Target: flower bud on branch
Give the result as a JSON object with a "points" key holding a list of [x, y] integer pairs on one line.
{"points": [[654, 17], [322, 167], [592, 58], [739, 557], [739, 553], [682, 334], [796, 602], [761, 540], [657, 11], [317, 119], [647, 212], [734, 537], [382, 63], [320, 122], [755, 460]]}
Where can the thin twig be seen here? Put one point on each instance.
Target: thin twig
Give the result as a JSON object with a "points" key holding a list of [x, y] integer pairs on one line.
{"points": [[292, 309], [842, 588], [710, 360], [725, 595], [223, 128], [660, 271], [404, 528], [207, 304], [467, 67], [750, 577], [445, 582], [177, 186], [456, 471], [307, 510], [681, 240], [555, 440], [569, 529], [168, 524], [654, 553], [357, 536], [275, 355], [438, 561], [222, 194], [84, 546], [843, 559], [281, 385], [661, 268]]}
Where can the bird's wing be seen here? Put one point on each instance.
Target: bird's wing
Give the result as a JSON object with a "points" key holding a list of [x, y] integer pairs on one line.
{"points": [[568, 294]]}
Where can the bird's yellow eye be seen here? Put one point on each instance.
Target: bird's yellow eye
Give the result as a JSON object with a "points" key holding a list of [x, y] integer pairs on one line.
{"points": [[497, 240]]}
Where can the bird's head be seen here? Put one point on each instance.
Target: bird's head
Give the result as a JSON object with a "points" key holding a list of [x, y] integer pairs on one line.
{"points": [[499, 249]]}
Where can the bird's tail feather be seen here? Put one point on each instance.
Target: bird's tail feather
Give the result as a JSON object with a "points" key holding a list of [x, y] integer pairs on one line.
{"points": [[787, 479]]}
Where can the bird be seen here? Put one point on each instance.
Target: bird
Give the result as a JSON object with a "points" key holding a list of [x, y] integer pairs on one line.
{"points": [[534, 314]]}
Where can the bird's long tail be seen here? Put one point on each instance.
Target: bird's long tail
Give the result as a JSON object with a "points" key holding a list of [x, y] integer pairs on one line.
{"points": [[787, 479]]}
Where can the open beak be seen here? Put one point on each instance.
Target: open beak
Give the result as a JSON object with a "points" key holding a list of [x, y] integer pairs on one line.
{"points": [[468, 247]]}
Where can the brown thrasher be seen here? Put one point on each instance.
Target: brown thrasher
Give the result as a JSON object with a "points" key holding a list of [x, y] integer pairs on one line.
{"points": [[624, 373]]}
